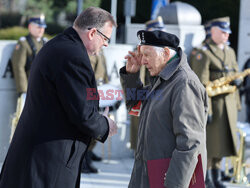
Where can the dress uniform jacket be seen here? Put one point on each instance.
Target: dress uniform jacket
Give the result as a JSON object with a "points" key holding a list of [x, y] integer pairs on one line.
{"points": [[172, 124], [221, 132], [98, 63], [21, 55], [58, 119]]}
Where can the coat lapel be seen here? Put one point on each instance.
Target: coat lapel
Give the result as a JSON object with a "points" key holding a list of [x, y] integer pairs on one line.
{"points": [[157, 83]]}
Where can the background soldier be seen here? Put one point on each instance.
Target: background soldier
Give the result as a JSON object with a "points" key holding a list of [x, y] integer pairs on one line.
{"points": [[24, 53], [215, 60], [195, 50], [98, 63]]}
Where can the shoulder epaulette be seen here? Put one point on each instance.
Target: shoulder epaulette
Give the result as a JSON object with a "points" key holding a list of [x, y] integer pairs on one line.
{"points": [[45, 39], [22, 38], [204, 47]]}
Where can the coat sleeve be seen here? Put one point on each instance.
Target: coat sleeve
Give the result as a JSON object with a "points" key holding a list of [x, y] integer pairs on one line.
{"points": [[200, 64], [236, 68], [72, 84], [18, 61], [131, 83], [189, 110]]}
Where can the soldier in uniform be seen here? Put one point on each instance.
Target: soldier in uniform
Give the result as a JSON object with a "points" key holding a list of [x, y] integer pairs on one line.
{"points": [[195, 50], [215, 60], [24, 53], [98, 63], [151, 25]]}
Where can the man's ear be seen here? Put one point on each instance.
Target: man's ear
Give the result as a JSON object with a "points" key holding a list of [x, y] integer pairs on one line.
{"points": [[91, 33], [29, 26], [166, 53]]}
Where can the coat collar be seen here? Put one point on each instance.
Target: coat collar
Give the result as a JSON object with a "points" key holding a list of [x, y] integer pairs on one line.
{"points": [[214, 46], [171, 68], [73, 35]]}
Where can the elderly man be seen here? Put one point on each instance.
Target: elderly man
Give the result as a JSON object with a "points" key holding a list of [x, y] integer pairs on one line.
{"points": [[173, 110], [151, 25], [59, 117], [215, 60]]}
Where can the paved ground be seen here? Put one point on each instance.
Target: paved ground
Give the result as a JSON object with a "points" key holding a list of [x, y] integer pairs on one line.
{"points": [[116, 174], [113, 174]]}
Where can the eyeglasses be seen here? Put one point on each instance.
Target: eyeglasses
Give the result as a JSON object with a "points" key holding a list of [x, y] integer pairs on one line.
{"points": [[105, 38]]}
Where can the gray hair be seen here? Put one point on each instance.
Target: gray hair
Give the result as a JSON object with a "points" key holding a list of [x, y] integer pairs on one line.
{"points": [[160, 50], [93, 17]]}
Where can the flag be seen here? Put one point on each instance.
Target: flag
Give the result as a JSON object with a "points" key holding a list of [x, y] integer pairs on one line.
{"points": [[156, 5]]}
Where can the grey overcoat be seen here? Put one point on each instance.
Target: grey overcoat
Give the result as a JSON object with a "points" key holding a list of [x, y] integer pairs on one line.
{"points": [[172, 122]]}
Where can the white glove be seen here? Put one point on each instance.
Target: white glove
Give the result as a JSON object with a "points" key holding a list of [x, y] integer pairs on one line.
{"points": [[112, 124]]}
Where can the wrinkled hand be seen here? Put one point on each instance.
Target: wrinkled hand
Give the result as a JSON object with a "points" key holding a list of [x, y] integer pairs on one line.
{"points": [[238, 83], [133, 62], [112, 124]]}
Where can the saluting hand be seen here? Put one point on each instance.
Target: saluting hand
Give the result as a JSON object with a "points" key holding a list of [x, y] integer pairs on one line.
{"points": [[112, 124], [133, 62]]}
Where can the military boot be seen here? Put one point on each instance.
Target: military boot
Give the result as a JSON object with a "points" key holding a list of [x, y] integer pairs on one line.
{"points": [[87, 166], [217, 178], [94, 157]]}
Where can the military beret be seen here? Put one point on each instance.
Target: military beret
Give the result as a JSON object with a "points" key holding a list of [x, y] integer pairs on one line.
{"points": [[158, 38], [39, 20], [222, 23]]}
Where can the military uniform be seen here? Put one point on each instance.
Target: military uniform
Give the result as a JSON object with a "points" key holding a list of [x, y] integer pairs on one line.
{"points": [[221, 132], [98, 64], [214, 60], [21, 61], [23, 55], [195, 50]]}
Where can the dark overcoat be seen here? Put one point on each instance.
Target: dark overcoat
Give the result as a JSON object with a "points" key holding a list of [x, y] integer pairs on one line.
{"points": [[58, 119]]}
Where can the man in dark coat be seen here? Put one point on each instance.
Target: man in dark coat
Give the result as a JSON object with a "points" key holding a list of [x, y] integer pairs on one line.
{"points": [[60, 115]]}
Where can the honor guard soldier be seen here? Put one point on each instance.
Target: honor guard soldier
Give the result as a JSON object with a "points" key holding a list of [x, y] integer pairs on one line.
{"points": [[195, 50], [214, 60], [24, 53]]}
